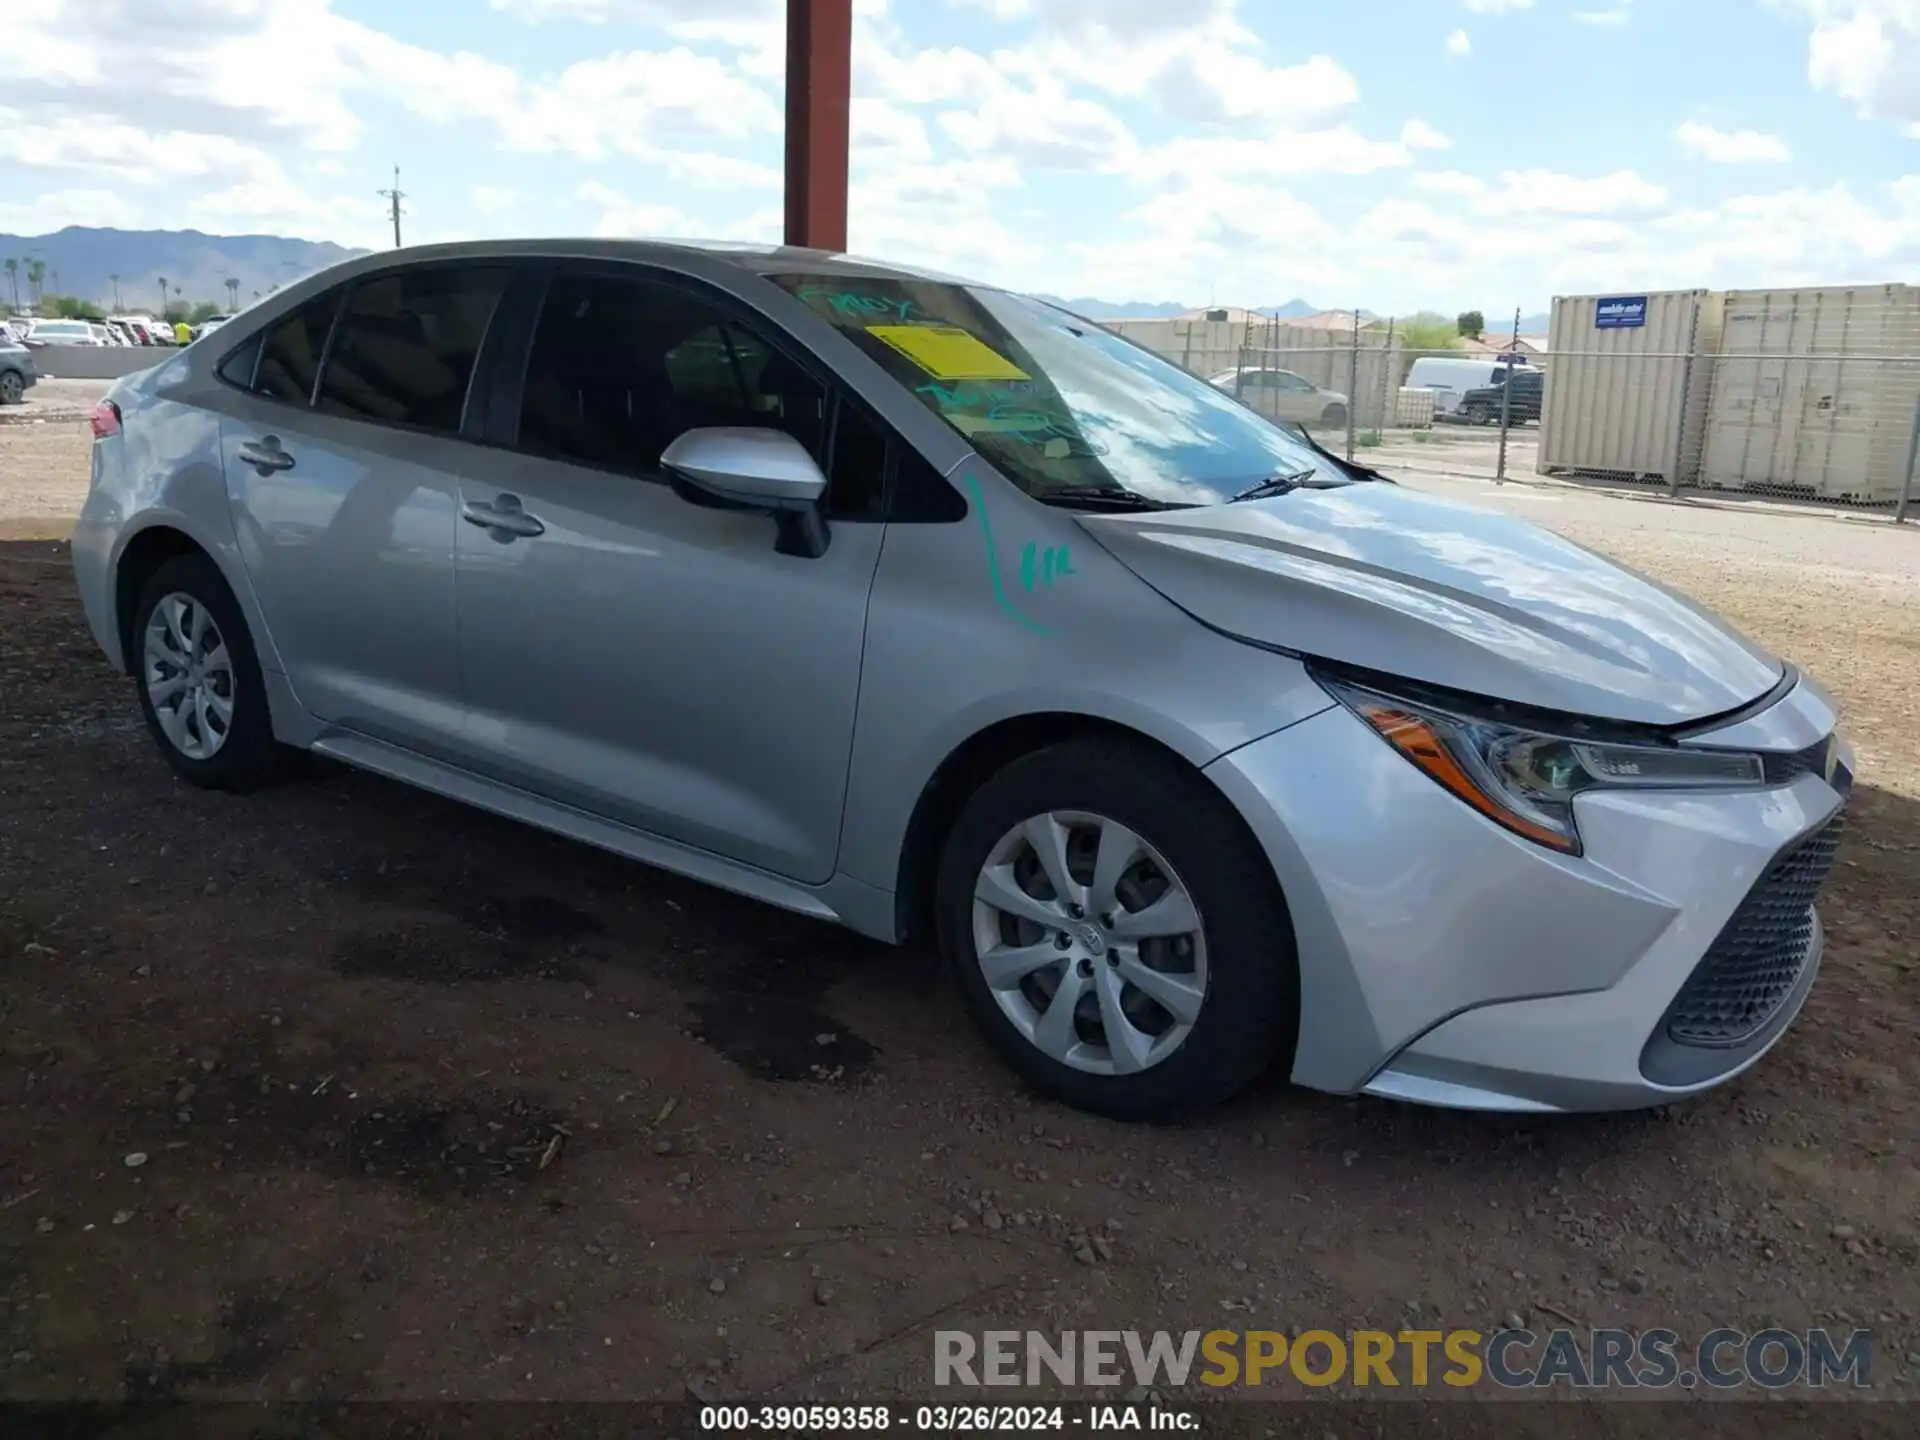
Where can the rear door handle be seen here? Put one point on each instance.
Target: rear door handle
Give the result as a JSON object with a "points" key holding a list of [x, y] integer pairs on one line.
{"points": [[504, 517], [266, 455]]}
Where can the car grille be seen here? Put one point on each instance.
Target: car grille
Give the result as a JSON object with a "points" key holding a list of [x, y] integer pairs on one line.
{"points": [[1784, 767], [1751, 968]]}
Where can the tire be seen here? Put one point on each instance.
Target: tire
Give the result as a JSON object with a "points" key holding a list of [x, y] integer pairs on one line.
{"points": [[1334, 417], [244, 756], [13, 387], [1243, 962]]}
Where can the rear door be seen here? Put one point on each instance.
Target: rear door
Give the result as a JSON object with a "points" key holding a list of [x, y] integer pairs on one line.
{"points": [[342, 448]]}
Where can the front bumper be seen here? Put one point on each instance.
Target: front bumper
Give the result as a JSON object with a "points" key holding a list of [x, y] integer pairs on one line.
{"points": [[1447, 961]]}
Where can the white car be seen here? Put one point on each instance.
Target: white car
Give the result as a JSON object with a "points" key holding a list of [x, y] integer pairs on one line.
{"points": [[1283, 395], [63, 332]]}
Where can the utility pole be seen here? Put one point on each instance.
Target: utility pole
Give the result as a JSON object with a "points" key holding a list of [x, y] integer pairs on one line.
{"points": [[116, 293], [394, 197], [1506, 401]]}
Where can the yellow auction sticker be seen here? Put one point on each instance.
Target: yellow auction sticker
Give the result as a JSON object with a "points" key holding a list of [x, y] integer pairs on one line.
{"points": [[947, 352]]}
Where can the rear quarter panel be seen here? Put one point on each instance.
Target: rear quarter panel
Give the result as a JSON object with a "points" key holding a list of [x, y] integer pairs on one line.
{"points": [[164, 468]]}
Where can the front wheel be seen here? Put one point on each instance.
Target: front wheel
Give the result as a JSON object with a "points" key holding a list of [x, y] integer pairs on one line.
{"points": [[1116, 933], [13, 387]]}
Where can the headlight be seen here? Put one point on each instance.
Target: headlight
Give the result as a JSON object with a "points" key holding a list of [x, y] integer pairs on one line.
{"points": [[1526, 780]]}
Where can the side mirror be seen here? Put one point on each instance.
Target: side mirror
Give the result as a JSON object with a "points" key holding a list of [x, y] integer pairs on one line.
{"points": [[738, 467]]}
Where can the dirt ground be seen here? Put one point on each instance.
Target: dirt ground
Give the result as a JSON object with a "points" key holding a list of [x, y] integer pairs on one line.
{"points": [[343, 1090]]}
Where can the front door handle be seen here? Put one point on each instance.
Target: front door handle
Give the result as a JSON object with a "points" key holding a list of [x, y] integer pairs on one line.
{"points": [[504, 518], [266, 455]]}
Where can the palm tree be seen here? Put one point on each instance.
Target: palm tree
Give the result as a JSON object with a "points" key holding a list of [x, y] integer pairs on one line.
{"points": [[36, 274], [116, 293], [13, 279], [233, 293], [163, 299]]}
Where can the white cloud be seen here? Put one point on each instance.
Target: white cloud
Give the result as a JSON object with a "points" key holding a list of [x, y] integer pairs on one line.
{"points": [[1459, 45], [1866, 52], [640, 12], [625, 218], [1419, 135], [1045, 128], [60, 208], [127, 153], [1451, 182], [1619, 15], [1498, 7], [1730, 147]]}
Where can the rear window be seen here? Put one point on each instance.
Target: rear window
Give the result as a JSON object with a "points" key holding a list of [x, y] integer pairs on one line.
{"points": [[290, 358], [406, 346]]}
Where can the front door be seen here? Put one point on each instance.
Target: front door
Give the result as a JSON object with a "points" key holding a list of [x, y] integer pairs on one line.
{"points": [[630, 654]]}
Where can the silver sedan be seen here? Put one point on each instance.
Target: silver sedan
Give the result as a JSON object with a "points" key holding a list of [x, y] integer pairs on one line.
{"points": [[933, 609]]}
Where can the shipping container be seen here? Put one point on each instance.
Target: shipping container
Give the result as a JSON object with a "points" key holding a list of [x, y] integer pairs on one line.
{"points": [[1623, 399], [1816, 393]]}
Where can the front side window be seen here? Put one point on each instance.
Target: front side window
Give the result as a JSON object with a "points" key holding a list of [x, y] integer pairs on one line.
{"points": [[406, 346], [620, 368], [290, 355], [1067, 410]]}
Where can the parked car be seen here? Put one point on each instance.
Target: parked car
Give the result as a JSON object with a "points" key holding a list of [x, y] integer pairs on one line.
{"points": [[1283, 395], [138, 326], [17, 372], [207, 326], [1451, 379], [932, 609], [1481, 405], [118, 334], [63, 332]]}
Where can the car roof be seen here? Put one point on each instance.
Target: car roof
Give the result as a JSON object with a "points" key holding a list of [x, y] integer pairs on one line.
{"points": [[759, 259]]}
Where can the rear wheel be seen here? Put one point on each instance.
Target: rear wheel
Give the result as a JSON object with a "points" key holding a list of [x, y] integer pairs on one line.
{"points": [[1334, 417], [1116, 934], [13, 387], [199, 680]]}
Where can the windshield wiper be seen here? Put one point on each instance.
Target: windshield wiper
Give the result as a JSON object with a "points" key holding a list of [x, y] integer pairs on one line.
{"points": [[1113, 497], [1276, 485]]}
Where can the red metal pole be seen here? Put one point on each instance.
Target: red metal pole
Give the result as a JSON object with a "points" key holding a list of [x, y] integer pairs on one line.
{"points": [[819, 95]]}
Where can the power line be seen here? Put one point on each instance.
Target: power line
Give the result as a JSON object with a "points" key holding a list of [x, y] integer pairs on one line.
{"points": [[394, 197]]}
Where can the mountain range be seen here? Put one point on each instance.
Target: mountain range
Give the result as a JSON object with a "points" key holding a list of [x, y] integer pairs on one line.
{"points": [[85, 262], [90, 262]]}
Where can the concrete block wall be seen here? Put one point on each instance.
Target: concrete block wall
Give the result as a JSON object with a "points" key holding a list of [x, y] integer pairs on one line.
{"points": [[97, 362]]}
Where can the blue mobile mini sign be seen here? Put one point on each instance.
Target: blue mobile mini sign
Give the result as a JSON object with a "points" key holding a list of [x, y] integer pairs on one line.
{"points": [[1620, 312]]}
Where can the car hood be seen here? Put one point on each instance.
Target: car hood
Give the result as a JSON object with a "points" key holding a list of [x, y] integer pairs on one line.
{"points": [[1383, 578]]}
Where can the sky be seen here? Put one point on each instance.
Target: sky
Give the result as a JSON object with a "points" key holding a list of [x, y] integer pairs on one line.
{"points": [[1392, 154]]}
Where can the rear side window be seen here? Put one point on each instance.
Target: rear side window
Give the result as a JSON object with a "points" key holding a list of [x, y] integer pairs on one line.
{"points": [[290, 358], [405, 349], [237, 368]]}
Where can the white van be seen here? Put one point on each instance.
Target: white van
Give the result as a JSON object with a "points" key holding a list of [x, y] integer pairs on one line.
{"points": [[1449, 380]]}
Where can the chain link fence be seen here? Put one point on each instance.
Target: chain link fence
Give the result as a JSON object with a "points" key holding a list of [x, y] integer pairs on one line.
{"points": [[1824, 424]]}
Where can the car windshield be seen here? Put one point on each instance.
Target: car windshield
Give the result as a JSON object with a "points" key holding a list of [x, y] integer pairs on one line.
{"points": [[1068, 411]]}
